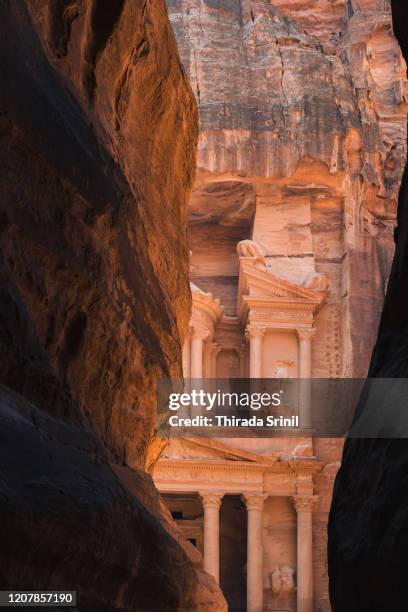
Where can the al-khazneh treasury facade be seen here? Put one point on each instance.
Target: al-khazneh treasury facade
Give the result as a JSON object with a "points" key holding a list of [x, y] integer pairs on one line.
{"points": [[256, 509], [302, 142]]}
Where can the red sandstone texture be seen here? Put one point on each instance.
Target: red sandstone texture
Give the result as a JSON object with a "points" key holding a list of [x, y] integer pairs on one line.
{"points": [[302, 113], [307, 102], [98, 132]]}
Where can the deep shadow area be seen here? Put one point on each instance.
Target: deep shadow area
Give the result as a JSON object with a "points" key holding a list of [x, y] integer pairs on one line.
{"points": [[368, 527], [233, 553]]}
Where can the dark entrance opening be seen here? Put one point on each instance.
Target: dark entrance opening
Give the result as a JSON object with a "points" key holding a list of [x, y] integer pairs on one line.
{"points": [[233, 544]]}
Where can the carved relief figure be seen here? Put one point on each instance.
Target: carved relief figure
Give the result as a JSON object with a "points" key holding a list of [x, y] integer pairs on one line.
{"points": [[249, 248], [282, 581], [276, 581], [318, 282], [282, 368], [288, 580]]}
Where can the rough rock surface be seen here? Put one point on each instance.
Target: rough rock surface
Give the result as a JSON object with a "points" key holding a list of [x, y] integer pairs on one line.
{"points": [[302, 145], [97, 150], [369, 519], [88, 190], [69, 522], [307, 105]]}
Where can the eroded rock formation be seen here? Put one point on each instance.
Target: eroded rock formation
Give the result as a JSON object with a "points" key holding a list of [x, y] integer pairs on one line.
{"points": [[304, 106], [368, 524], [302, 145], [97, 153]]}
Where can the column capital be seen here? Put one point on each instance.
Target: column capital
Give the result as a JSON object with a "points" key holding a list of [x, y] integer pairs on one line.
{"points": [[254, 331], [200, 334], [304, 503], [254, 501], [211, 499], [306, 333]]}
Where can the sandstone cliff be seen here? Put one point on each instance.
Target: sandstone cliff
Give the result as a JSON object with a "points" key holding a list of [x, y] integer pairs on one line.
{"points": [[97, 153], [302, 145], [368, 523], [301, 103]]}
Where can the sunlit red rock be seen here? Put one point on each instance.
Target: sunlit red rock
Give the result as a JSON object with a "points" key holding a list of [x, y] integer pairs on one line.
{"points": [[98, 130], [306, 103]]}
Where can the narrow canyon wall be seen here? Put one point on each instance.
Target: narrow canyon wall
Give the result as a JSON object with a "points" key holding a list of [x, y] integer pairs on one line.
{"points": [[84, 240], [98, 132], [369, 519]]}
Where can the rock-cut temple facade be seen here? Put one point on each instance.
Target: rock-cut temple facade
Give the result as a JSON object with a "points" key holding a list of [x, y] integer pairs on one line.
{"points": [[257, 508], [300, 156]]}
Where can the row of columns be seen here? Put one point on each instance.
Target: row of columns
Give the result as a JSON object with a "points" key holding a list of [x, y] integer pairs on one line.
{"points": [[200, 355], [256, 333], [254, 503]]}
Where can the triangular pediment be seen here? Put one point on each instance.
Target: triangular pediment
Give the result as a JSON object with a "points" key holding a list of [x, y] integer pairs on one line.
{"points": [[204, 449], [256, 282]]}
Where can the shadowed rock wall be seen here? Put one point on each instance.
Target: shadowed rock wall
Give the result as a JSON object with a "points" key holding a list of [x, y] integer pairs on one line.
{"points": [[98, 133], [368, 529], [94, 209]]}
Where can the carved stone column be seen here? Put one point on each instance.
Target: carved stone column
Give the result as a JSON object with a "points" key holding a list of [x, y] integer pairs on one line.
{"points": [[254, 503], [305, 351], [197, 341], [242, 361], [255, 335], [216, 349], [215, 354], [305, 374], [187, 357], [206, 359], [211, 351], [304, 508], [211, 503]]}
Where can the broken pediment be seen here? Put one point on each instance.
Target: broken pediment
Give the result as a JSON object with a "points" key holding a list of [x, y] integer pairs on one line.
{"points": [[194, 449], [258, 287]]}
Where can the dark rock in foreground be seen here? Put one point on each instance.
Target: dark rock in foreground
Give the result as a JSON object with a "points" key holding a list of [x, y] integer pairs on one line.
{"points": [[98, 133], [368, 529]]}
